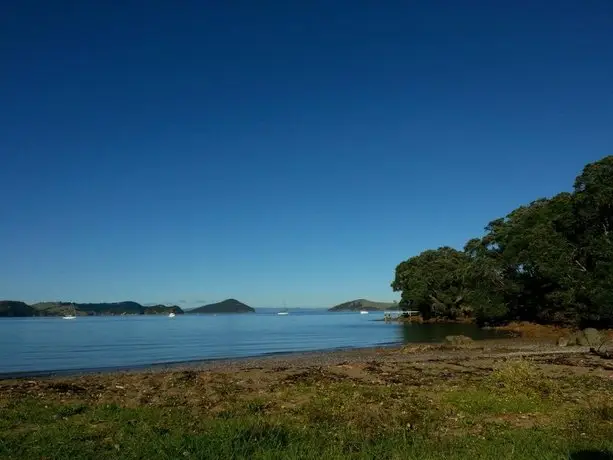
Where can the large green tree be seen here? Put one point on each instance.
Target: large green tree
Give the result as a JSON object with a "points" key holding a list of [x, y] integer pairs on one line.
{"points": [[593, 192], [433, 283], [523, 265], [550, 261]]}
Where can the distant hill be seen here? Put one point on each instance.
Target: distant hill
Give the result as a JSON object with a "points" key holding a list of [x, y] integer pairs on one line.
{"points": [[14, 308], [226, 306], [54, 308], [162, 310], [364, 304], [111, 308], [128, 308]]}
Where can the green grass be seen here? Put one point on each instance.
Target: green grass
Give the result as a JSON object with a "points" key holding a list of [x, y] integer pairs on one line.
{"points": [[515, 412], [515, 387], [115, 432], [480, 402]]}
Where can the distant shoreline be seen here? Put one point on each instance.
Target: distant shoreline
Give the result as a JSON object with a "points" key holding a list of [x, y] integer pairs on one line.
{"points": [[19, 309]]}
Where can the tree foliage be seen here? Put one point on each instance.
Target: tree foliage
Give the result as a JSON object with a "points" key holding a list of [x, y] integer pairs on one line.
{"points": [[550, 261], [433, 282]]}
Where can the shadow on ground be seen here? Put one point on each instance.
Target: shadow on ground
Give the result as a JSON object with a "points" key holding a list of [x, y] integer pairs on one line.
{"points": [[591, 455]]}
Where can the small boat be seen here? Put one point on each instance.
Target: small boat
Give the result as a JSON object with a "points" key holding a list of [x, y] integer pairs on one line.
{"points": [[73, 315], [171, 314], [363, 312], [285, 311]]}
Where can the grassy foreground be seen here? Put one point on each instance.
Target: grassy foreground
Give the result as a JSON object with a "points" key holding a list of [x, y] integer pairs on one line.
{"points": [[507, 408]]}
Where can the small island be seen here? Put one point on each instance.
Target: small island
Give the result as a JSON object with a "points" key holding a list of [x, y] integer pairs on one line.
{"points": [[13, 308], [226, 306], [365, 305]]}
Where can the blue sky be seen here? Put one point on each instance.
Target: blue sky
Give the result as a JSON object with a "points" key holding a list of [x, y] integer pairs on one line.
{"points": [[281, 151]]}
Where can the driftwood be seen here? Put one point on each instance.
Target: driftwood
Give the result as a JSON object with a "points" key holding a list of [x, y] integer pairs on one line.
{"points": [[603, 354]]}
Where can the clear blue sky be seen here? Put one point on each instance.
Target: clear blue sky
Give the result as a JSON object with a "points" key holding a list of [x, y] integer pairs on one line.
{"points": [[281, 151]]}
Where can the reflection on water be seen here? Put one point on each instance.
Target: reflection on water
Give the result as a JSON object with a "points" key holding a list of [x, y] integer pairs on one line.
{"points": [[52, 344]]}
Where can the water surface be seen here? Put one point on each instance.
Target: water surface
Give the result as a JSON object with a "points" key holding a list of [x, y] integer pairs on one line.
{"points": [[54, 344]]}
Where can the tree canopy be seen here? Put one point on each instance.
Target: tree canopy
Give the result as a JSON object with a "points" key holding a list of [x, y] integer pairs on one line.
{"points": [[550, 261]]}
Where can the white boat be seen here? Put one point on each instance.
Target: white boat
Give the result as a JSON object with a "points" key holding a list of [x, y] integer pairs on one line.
{"points": [[363, 312], [71, 316], [284, 311], [171, 314]]}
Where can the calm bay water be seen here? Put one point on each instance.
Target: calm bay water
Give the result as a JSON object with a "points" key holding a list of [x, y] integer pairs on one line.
{"points": [[54, 344]]}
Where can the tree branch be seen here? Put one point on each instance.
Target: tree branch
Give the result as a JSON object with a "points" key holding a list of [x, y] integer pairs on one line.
{"points": [[583, 269]]}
